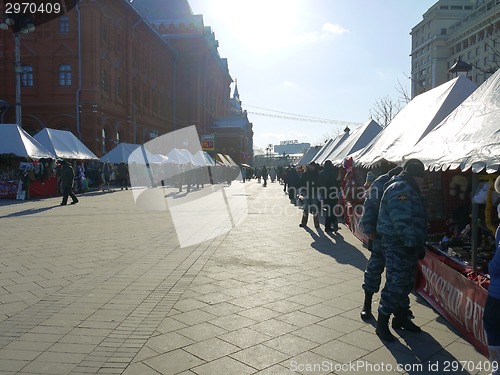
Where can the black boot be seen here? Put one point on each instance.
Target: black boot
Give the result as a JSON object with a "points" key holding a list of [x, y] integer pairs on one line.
{"points": [[366, 313], [303, 222], [382, 329], [402, 320]]}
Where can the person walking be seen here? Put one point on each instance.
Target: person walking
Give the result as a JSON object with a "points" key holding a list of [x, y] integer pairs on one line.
{"points": [[292, 182], [376, 263], [491, 318], [123, 175], [329, 190], [67, 181], [309, 190], [273, 174], [402, 223], [264, 174]]}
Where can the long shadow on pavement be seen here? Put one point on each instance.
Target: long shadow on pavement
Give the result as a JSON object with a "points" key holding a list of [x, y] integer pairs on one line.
{"points": [[420, 353], [337, 247], [32, 211]]}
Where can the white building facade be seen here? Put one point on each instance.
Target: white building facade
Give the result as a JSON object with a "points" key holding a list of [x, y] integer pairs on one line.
{"points": [[451, 30]]}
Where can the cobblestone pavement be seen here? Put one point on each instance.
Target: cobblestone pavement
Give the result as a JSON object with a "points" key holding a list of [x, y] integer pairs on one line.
{"points": [[103, 287]]}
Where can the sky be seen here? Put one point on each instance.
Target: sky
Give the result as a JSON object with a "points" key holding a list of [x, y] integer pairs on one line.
{"points": [[324, 59]]}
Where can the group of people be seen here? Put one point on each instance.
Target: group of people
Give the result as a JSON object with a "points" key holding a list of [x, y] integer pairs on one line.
{"points": [[317, 189], [395, 222]]}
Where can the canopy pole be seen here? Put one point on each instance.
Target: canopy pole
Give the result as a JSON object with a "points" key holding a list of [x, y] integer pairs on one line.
{"points": [[474, 227]]}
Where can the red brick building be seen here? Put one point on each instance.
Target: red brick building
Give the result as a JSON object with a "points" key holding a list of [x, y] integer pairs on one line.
{"points": [[109, 73]]}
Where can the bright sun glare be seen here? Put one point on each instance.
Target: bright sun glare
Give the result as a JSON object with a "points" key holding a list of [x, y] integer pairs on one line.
{"points": [[260, 25]]}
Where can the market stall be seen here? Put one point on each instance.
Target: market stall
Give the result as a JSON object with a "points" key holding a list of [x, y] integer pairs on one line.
{"points": [[389, 147], [26, 166], [465, 147], [65, 145]]}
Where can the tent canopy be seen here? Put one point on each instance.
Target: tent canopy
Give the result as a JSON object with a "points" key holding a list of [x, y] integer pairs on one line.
{"points": [[415, 121], [469, 137], [64, 144], [15, 141], [330, 147], [202, 159], [356, 141], [309, 155], [180, 156], [129, 153]]}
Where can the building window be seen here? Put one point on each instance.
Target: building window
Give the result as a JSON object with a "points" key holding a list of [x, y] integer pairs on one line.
{"points": [[27, 76], [443, 31], [64, 24], [104, 80], [118, 87], [64, 75]]}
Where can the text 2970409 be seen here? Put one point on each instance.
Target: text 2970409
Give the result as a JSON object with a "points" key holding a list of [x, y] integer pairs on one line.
{"points": [[33, 8]]}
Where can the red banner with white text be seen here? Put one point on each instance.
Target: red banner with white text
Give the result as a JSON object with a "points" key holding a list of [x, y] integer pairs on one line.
{"points": [[459, 300]]}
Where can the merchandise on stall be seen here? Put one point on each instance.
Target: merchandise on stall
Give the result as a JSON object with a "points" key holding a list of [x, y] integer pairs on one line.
{"points": [[26, 166]]}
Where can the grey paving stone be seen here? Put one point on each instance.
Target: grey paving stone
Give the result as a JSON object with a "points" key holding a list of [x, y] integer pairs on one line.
{"points": [[119, 295]]}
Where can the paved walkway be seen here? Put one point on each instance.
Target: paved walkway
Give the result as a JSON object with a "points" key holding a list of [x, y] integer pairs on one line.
{"points": [[103, 287]]}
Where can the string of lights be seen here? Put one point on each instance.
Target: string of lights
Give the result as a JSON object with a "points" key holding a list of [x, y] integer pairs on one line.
{"points": [[296, 117]]}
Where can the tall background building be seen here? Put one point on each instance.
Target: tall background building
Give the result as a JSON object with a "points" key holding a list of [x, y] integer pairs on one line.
{"points": [[453, 30]]}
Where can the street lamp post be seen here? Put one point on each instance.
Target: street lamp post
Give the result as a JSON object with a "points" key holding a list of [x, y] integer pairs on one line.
{"points": [[460, 68], [18, 70], [19, 24]]}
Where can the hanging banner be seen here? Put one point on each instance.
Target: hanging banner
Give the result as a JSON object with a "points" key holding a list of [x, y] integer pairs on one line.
{"points": [[459, 300]]}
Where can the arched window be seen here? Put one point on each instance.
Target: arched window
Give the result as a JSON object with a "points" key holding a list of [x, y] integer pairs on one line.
{"points": [[64, 75], [27, 76]]}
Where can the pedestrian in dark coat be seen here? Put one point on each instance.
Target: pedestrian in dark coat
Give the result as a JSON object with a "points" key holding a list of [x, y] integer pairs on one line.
{"points": [[309, 190], [123, 175], [329, 190], [402, 223], [376, 263], [67, 181], [265, 175], [292, 182]]}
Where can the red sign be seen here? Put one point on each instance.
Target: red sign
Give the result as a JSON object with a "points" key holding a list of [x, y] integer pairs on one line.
{"points": [[208, 142], [459, 300]]}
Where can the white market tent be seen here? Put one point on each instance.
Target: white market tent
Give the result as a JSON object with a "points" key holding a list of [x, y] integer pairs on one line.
{"points": [[231, 161], [163, 159], [469, 137], [15, 141], [223, 160], [129, 153], [179, 156], [64, 144], [202, 159], [308, 156], [356, 141], [330, 148], [414, 122], [322, 150]]}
